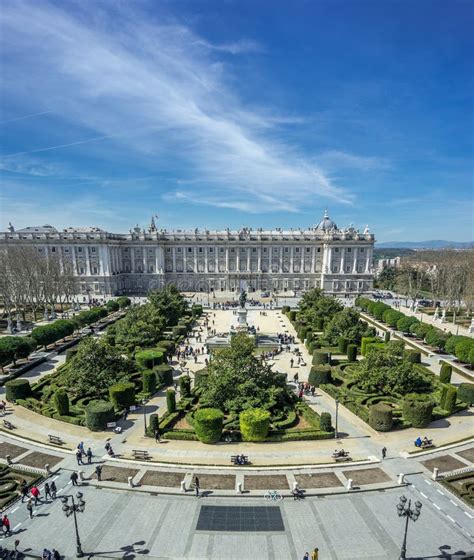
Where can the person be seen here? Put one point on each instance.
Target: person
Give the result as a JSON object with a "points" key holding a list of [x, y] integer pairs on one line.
{"points": [[53, 489], [98, 472], [110, 451], [23, 490], [81, 447], [89, 455], [196, 485], [242, 459], [29, 507], [79, 456], [46, 554], [47, 491], [56, 555], [306, 556], [297, 493], [107, 446], [157, 435], [74, 478], [35, 493], [418, 442], [291, 362], [315, 554], [384, 452], [426, 441], [6, 525]]}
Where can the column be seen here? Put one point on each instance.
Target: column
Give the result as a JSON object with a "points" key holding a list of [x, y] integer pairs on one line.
{"points": [[144, 257], [354, 264], [248, 258], [185, 260], [368, 260], [343, 259], [227, 259], [280, 268], [132, 256], [104, 261], [88, 264], [292, 250], [206, 269], [313, 259], [259, 260], [237, 259], [195, 267]]}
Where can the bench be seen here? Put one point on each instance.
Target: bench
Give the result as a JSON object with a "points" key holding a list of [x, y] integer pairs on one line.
{"points": [[55, 439], [8, 425], [342, 458], [233, 459], [138, 454], [427, 445]]}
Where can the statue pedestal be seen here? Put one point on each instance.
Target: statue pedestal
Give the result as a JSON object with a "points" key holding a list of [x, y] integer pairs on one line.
{"points": [[242, 319]]}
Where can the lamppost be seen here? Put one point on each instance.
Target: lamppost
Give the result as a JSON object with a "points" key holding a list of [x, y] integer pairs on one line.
{"points": [[406, 511], [336, 435], [144, 415], [71, 509]]}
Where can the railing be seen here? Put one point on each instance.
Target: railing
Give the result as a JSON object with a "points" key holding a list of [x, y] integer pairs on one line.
{"points": [[464, 470]]}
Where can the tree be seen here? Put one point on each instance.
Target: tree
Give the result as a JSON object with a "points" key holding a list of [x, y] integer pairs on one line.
{"points": [[463, 350], [387, 278], [315, 307], [169, 303], [435, 337], [346, 323], [142, 326]]}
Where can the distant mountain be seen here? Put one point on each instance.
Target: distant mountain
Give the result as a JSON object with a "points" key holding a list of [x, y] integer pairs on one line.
{"points": [[433, 244]]}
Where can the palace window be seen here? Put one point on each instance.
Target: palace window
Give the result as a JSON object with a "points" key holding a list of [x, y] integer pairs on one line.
{"points": [[308, 249], [336, 250], [168, 249], [179, 249], [190, 249], [362, 249], [319, 249], [93, 249], [349, 250], [200, 249], [94, 270], [79, 249], [297, 250]]}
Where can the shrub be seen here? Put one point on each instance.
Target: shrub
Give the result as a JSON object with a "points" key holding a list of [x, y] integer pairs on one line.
{"points": [[320, 357], [154, 424], [450, 345], [366, 340], [342, 345], [435, 337], [386, 337], [13, 348], [149, 381], [166, 346], [98, 414], [466, 393], [391, 317], [420, 330], [352, 352], [70, 353], [379, 309], [414, 357], [17, 389], [207, 424], [285, 309], [448, 398], [164, 374], [123, 301], [185, 386], [381, 417], [471, 356], [445, 373], [325, 422], [320, 375], [462, 350], [417, 409], [196, 310], [122, 395], [61, 402], [254, 424], [112, 306], [292, 315], [200, 377], [171, 400], [148, 359], [404, 324]]}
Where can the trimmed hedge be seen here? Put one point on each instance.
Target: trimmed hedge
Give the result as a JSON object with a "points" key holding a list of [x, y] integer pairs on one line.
{"points": [[254, 424], [449, 395], [325, 422], [417, 409], [112, 306], [207, 424], [414, 357], [171, 401], [122, 395], [98, 414], [47, 334], [366, 340], [342, 345], [200, 377], [61, 402], [352, 352], [445, 373], [164, 374], [15, 347], [320, 357], [185, 386], [123, 301], [17, 389], [381, 417], [320, 375], [149, 381], [148, 359], [386, 337], [154, 423], [292, 315], [466, 393]]}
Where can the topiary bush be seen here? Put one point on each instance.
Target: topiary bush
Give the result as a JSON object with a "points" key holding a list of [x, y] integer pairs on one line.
{"points": [[367, 340], [466, 393], [352, 352], [207, 424], [61, 402], [200, 377], [292, 315], [123, 301], [414, 357], [171, 401], [98, 414], [185, 386], [463, 349], [254, 424], [381, 417], [417, 409], [404, 324], [17, 389], [122, 395], [149, 381], [164, 374], [112, 306], [386, 337], [445, 373], [154, 424], [342, 344], [320, 375], [320, 357], [448, 398], [148, 359], [325, 422]]}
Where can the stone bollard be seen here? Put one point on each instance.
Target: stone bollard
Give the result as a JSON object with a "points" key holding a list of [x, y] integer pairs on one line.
{"points": [[401, 478], [295, 485], [183, 486], [434, 476], [239, 488], [130, 483], [349, 484], [9, 459], [47, 469]]}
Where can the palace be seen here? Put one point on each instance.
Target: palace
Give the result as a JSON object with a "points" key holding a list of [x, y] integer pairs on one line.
{"points": [[336, 260]]}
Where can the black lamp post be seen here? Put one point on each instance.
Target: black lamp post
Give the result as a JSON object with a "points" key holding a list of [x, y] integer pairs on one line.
{"points": [[336, 435], [406, 511], [71, 509]]}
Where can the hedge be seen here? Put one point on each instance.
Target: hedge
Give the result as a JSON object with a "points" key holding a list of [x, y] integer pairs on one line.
{"points": [[320, 357], [463, 349], [448, 398], [285, 309], [381, 417], [437, 338], [466, 393], [166, 346], [196, 310], [17, 389], [452, 341], [148, 359], [254, 424], [200, 377], [98, 414], [70, 353], [292, 315], [366, 340], [325, 422], [171, 401], [47, 334], [123, 301], [417, 409], [352, 352], [93, 315], [445, 373], [185, 386], [154, 423], [149, 381], [112, 306], [207, 424], [164, 374], [320, 375], [414, 357], [391, 317], [420, 330], [122, 395], [61, 402], [15, 347], [342, 345]]}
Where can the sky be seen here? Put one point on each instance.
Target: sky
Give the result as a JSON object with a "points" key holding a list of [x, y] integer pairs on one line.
{"points": [[216, 114]]}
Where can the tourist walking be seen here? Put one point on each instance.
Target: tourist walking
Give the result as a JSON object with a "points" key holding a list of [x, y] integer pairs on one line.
{"points": [[315, 554], [56, 555], [89, 455], [53, 489], [36, 494], [6, 525], [196, 485], [29, 507], [23, 490], [47, 491], [98, 472], [384, 452], [79, 456], [157, 436], [74, 478], [306, 556]]}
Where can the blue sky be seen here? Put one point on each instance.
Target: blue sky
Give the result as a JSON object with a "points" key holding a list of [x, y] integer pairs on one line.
{"points": [[239, 113]]}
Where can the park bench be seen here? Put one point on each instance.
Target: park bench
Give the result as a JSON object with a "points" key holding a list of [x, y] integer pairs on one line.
{"points": [[8, 425], [425, 444], [341, 457], [55, 439], [233, 459], [139, 454]]}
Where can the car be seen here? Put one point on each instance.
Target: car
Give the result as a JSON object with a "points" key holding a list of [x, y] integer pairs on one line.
{"points": [[264, 294]]}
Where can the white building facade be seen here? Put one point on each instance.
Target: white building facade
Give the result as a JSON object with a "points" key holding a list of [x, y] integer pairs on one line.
{"points": [[336, 260]]}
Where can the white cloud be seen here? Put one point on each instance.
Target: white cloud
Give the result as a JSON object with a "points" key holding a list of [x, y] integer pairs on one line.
{"points": [[159, 91], [334, 160]]}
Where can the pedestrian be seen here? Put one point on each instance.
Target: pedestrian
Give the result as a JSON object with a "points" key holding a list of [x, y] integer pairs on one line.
{"points": [[157, 435], [6, 525], [56, 555], [315, 554], [89, 455], [46, 554], [291, 362], [79, 456], [81, 447], [36, 494], [384, 452], [107, 446], [23, 490], [98, 472], [47, 491], [29, 507], [196, 486], [306, 556], [53, 489], [74, 478], [110, 451]]}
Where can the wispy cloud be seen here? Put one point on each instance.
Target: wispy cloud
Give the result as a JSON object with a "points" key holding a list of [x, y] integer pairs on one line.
{"points": [[168, 84], [335, 160], [22, 118]]}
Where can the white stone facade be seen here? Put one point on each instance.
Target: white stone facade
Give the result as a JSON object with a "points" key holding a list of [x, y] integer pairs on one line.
{"points": [[336, 260]]}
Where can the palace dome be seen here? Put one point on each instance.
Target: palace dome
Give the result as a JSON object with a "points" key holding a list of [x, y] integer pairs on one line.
{"points": [[326, 224]]}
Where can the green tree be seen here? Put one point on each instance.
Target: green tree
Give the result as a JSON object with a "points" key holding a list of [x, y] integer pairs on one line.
{"points": [[169, 303], [142, 327], [315, 307], [346, 323]]}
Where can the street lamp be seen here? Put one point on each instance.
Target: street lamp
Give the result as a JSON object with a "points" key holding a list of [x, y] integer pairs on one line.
{"points": [[405, 510], [336, 435], [71, 509], [144, 415]]}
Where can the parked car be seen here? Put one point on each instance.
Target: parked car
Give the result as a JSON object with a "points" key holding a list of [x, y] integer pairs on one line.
{"points": [[264, 294]]}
